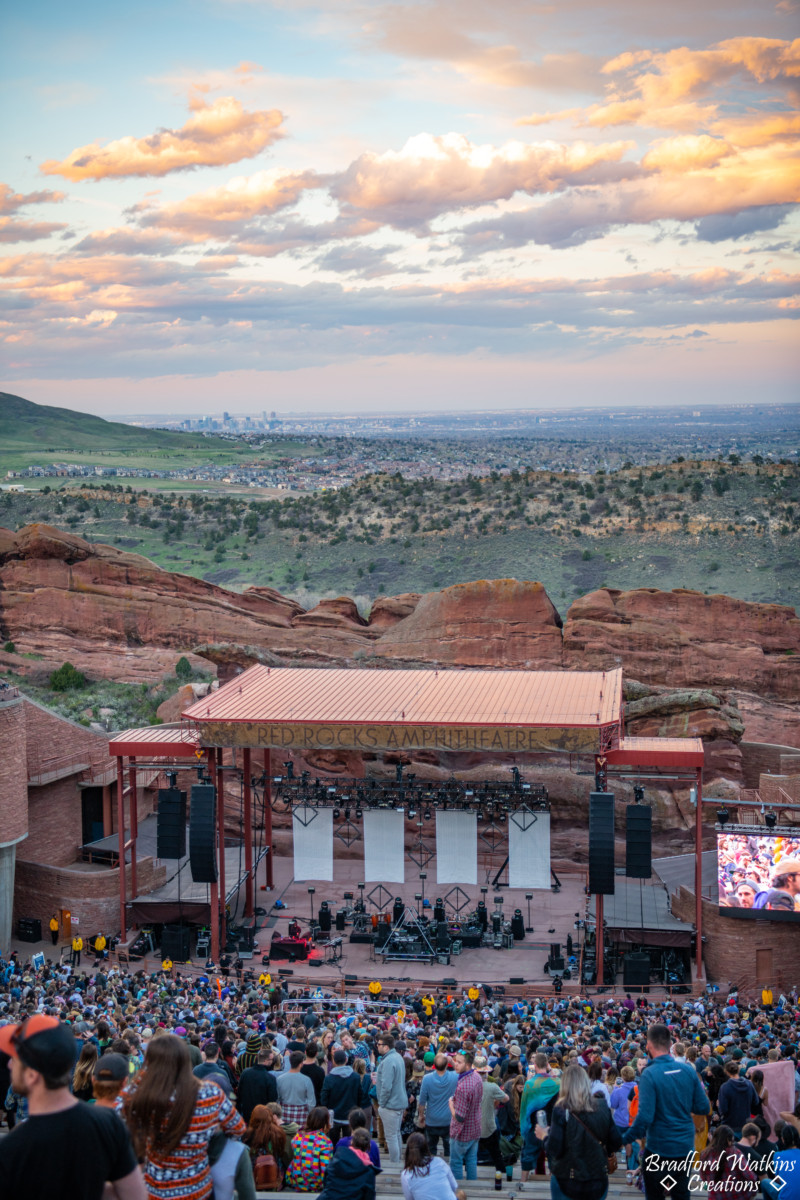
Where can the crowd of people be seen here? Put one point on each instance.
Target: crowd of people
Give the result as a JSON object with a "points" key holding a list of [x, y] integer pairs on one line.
{"points": [[160, 1086], [759, 872]]}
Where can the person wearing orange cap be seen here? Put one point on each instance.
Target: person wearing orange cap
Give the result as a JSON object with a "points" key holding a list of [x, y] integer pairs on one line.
{"points": [[66, 1150]]}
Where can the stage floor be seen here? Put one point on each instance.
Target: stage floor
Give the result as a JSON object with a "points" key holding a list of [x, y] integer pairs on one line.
{"points": [[552, 917]]}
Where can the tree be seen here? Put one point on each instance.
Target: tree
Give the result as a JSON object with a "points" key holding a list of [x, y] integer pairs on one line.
{"points": [[67, 678], [183, 668]]}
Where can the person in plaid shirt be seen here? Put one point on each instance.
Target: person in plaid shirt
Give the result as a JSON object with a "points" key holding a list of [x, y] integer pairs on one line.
{"points": [[465, 1111], [296, 1091]]}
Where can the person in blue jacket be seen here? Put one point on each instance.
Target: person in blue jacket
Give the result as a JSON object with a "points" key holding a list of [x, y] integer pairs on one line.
{"points": [[669, 1096]]}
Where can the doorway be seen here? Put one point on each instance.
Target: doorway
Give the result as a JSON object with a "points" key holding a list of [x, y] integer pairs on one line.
{"points": [[92, 814], [764, 966]]}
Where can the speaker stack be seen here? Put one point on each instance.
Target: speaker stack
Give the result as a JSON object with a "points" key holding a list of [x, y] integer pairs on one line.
{"points": [[176, 943], [518, 926], [438, 909], [341, 917], [636, 970], [203, 834], [638, 841], [601, 843], [324, 919], [442, 938], [398, 909], [171, 823]]}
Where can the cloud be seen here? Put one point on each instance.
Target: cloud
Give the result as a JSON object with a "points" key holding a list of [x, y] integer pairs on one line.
{"points": [[435, 175], [217, 134], [13, 230], [220, 212], [547, 118], [721, 226], [686, 153]]}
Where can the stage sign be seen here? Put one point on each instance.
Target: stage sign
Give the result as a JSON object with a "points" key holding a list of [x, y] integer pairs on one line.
{"points": [[328, 736], [759, 876]]}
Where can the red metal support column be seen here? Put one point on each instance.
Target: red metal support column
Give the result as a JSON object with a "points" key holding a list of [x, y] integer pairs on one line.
{"points": [[248, 831], [268, 817], [134, 813], [698, 874], [599, 939], [217, 778], [123, 929], [214, 887]]}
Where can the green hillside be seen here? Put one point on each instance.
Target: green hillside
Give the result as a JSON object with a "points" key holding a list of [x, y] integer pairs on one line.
{"points": [[37, 433]]}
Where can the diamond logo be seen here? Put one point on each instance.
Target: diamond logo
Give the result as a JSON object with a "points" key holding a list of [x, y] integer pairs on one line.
{"points": [[668, 1183], [778, 1184]]}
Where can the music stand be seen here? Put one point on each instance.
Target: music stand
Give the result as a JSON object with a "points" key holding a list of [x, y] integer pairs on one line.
{"points": [[529, 927]]}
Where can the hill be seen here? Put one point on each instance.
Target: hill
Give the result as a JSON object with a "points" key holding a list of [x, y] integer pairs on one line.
{"points": [[38, 433]]}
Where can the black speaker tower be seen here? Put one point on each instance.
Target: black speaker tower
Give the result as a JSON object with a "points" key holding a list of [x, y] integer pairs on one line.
{"points": [[638, 841], [203, 833], [171, 823], [601, 843]]}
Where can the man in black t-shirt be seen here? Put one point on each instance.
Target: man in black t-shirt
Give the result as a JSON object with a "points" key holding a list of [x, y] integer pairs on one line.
{"points": [[66, 1150], [312, 1069]]}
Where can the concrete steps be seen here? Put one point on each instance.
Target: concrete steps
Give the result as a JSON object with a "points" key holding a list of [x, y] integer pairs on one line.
{"points": [[482, 1188]]}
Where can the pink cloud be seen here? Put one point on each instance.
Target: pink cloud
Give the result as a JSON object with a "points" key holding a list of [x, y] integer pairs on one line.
{"points": [[216, 134]]}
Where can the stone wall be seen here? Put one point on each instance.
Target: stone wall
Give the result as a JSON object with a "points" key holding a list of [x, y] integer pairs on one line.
{"points": [[90, 893], [761, 758], [13, 772]]}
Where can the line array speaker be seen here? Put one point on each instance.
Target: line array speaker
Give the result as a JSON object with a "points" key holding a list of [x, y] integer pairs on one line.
{"points": [[203, 833], [171, 823], [636, 970], [601, 843], [638, 841]]}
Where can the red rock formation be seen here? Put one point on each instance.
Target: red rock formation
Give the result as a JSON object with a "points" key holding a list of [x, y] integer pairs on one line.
{"points": [[686, 639], [489, 623]]}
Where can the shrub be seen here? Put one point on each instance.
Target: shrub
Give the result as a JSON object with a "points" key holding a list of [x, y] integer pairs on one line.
{"points": [[183, 668], [9, 648], [67, 678]]}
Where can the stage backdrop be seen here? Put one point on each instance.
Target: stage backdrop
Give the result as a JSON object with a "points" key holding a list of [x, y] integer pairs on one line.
{"points": [[312, 831], [528, 849], [456, 847], [384, 846]]}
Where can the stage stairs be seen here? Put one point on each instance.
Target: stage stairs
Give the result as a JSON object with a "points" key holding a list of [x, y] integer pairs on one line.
{"points": [[482, 1188]]}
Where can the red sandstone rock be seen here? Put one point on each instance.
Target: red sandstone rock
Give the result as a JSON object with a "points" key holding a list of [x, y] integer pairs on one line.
{"points": [[388, 610], [489, 623], [340, 613], [687, 639], [173, 706]]}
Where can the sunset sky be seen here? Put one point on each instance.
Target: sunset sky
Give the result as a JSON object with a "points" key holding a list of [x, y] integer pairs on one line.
{"points": [[424, 204]]}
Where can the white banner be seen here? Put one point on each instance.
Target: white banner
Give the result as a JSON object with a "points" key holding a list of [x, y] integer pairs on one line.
{"points": [[384, 846], [528, 849], [456, 847], [312, 831]]}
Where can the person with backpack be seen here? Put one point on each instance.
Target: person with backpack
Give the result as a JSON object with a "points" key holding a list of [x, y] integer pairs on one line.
{"points": [[620, 1104], [351, 1173]]}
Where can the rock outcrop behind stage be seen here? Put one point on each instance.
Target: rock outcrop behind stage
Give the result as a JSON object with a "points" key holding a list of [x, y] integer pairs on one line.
{"points": [[710, 666]]}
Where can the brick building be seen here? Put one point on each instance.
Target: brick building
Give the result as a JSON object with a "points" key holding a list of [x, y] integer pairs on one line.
{"points": [[58, 791]]}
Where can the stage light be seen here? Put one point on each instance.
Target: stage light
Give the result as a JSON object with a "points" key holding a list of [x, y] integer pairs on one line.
{"points": [[412, 812], [336, 814], [770, 820], [359, 813], [638, 794], [723, 815], [332, 790], [290, 770], [427, 814]]}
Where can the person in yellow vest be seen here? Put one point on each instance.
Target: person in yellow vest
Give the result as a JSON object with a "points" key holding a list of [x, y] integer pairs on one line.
{"points": [[766, 996], [99, 948], [77, 946], [54, 929], [166, 965]]}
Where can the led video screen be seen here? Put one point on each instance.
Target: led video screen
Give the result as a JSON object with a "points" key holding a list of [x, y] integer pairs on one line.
{"points": [[759, 876]]}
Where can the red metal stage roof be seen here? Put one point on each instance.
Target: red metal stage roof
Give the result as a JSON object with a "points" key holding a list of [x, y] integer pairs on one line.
{"points": [[155, 741], [569, 699], [657, 752]]}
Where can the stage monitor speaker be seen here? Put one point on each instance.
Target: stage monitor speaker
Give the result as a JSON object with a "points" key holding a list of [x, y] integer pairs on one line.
{"points": [[203, 833], [171, 823], [601, 843], [351, 979], [176, 943], [443, 940], [638, 841], [382, 935], [449, 982], [636, 970], [324, 917], [516, 979], [556, 963], [341, 917], [286, 971]]}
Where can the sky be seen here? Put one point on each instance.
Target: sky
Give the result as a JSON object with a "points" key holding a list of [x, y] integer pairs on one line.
{"points": [[424, 204]]}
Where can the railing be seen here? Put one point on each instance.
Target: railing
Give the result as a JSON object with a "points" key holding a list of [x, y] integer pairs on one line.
{"points": [[92, 759], [8, 691], [102, 856]]}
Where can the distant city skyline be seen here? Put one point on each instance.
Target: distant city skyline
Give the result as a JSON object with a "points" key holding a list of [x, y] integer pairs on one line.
{"points": [[364, 206]]}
